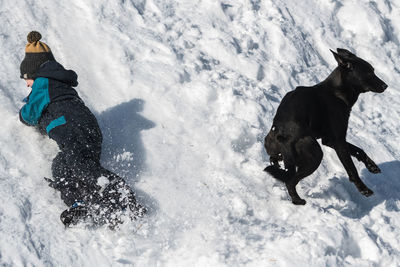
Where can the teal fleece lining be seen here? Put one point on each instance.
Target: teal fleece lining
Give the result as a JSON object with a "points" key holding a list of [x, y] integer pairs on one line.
{"points": [[57, 122]]}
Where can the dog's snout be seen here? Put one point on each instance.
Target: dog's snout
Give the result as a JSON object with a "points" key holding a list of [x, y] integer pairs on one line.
{"points": [[384, 86]]}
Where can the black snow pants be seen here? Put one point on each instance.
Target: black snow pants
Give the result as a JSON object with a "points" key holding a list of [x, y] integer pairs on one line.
{"points": [[76, 169]]}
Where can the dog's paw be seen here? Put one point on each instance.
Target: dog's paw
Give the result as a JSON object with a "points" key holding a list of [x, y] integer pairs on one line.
{"points": [[371, 166], [362, 188], [299, 201], [367, 192]]}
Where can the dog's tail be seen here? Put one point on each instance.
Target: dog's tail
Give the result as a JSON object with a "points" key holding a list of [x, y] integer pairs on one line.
{"points": [[278, 173]]}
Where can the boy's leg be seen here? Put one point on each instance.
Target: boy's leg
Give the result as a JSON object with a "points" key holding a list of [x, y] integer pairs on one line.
{"points": [[104, 203], [115, 197], [118, 193], [71, 172], [64, 180], [84, 181], [75, 176]]}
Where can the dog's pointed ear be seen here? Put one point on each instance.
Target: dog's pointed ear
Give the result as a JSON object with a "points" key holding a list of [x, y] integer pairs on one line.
{"points": [[338, 58], [341, 59], [345, 53]]}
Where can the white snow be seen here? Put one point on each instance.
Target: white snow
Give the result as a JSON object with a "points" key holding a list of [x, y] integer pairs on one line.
{"points": [[185, 92]]}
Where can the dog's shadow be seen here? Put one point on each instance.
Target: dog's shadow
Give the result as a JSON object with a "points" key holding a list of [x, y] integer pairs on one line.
{"points": [[123, 150], [351, 203]]}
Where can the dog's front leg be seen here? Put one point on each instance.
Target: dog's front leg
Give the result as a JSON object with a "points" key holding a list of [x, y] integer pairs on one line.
{"points": [[343, 153], [360, 155]]}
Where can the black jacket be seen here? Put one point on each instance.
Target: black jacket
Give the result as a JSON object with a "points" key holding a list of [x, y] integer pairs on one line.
{"points": [[54, 102]]}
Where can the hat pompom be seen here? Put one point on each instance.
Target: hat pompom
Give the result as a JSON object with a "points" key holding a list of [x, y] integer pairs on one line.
{"points": [[34, 36]]}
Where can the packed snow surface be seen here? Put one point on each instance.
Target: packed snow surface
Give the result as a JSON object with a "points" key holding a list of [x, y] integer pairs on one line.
{"points": [[185, 92]]}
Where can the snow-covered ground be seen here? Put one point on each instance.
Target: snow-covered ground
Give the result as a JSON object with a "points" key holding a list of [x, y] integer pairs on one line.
{"points": [[185, 92]]}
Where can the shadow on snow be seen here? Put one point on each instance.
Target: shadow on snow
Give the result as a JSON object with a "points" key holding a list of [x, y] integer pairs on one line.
{"points": [[123, 151], [352, 204]]}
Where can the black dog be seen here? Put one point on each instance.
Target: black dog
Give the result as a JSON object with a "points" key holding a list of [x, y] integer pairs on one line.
{"points": [[321, 111]]}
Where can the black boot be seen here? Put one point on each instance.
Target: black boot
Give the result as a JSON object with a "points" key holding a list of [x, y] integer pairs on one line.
{"points": [[77, 213]]}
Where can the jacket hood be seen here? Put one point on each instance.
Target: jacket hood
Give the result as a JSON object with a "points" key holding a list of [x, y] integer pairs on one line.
{"points": [[54, 70]]}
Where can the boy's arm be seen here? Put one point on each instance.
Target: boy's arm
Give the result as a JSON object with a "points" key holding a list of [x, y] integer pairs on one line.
{"points": [[22, 120], [25, 100], [38, 100]]}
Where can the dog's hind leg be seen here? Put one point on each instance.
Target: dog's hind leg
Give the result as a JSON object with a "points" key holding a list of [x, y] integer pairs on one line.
{"points": [[308, 157], [291, 183], [272, 146]]}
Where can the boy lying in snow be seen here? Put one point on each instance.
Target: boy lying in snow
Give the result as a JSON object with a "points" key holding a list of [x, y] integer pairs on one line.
{"points": [[54, 107]]}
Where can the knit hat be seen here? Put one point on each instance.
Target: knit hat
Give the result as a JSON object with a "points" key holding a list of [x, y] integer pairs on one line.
{"points": [[36, 53]]}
